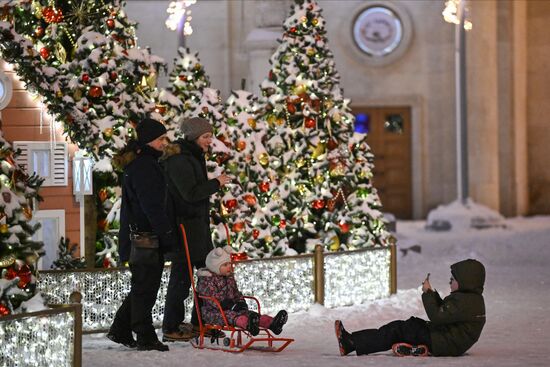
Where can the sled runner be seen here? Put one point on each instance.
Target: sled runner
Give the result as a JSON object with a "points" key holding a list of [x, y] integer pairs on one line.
{"points": [[236, 339]]}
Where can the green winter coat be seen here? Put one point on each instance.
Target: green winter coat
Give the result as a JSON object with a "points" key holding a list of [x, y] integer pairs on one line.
{"points": [[456, 321]]}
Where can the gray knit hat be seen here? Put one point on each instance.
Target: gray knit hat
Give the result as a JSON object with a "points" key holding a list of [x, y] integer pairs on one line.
{"points": [[194, 127], [217, 257]]}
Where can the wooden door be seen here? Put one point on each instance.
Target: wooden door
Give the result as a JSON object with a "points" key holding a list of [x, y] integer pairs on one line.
{"points": [[389, 137]]}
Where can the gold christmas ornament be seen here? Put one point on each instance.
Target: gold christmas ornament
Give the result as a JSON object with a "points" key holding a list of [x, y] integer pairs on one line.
{"points": [[300, 162], [275, 196], [319, 179], [299, 89], [77, 95], [336, 117], [28, 212], [280, 121], [3, 228], [264, 159], [310, 52], [315, 21], [197, 66], [318, 151], [271, 119], [7, 260], [152, 80], [334, 243], [251, 122], [268, 239], [60, 53], [108, 132]]}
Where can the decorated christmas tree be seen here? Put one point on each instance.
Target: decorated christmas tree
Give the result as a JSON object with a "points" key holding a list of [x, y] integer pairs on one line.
{"points": [[188, 79], [82, 58], [250, 205], [18, 251], [324, 169]]}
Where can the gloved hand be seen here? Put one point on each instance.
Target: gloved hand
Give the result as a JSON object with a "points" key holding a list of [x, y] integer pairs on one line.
{"points": [[227, 304], [240, 306]]}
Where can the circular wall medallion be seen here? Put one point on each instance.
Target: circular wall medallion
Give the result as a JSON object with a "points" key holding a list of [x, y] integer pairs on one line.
{"points": [[5, 90], [381, 32], [377, 31]]}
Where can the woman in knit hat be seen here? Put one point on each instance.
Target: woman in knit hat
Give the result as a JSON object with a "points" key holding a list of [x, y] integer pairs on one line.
{"points": [[217, 281], [190, 191]]}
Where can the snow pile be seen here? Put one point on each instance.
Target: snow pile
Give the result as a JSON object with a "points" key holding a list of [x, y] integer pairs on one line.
{"points": [[458, 216]]}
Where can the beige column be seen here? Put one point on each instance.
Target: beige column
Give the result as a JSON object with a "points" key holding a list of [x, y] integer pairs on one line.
{"points": [[482, 89]]}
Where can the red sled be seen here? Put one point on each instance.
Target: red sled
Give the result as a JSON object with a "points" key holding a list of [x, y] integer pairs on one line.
{"points": [[237, 339]]}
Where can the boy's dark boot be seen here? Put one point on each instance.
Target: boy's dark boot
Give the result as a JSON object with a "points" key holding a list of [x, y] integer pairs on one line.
{"points": [[178, 336], [345, 341], [408, 350], [253, 326], [278, 322]]}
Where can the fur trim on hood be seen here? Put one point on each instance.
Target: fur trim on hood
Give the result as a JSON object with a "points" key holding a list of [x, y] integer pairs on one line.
{"points": [[122, 160], [170, 150]]}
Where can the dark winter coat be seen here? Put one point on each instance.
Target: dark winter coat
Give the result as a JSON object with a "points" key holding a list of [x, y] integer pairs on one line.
{"points": [[456, 321], [224, 289], [190, 189], [144, 200]]}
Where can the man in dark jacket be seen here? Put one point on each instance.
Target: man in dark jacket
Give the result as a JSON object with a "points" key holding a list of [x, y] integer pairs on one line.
{"points": [[144, 211], [455, 322], [190, 189]]}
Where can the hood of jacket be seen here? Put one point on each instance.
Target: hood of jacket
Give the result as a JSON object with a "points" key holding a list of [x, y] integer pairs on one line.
{"points": [[470, 275], [182, 147], [124, 158]]}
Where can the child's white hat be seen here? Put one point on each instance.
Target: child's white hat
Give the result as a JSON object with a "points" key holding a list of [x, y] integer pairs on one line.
{"points": [[217, 257]]}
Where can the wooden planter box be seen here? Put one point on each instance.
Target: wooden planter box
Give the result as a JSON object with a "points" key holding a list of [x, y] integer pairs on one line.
{"points": [[51, 337], [293, 283]]}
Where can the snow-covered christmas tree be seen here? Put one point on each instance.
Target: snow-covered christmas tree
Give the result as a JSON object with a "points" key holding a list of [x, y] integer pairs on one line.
{"points": [[324, 169], [18, 251], [82, 59], [250, 205]]}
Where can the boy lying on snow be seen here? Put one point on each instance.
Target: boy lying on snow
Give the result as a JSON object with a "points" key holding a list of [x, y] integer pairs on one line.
{"points": [[455, 322]]}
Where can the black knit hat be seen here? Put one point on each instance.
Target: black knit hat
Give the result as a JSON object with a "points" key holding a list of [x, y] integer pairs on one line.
{"points": [[148, 130], [194, 127]]}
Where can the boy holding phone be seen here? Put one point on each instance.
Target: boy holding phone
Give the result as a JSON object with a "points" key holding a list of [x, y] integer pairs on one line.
{"points": [[455, 322]]}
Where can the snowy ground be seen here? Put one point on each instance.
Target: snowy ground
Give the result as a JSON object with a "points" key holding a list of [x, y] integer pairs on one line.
{"points": [[516, 295]]}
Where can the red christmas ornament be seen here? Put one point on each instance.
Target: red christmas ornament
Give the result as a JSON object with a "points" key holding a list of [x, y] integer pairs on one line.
{"points": [[110, 23], [182, 77], [255, 233], [293, 220], [237, 227], [249, 199], [85, 78], [318, 204], [160, 109], [241, 145], [238, 256], [271, 75], [45, 53], [52, 15], [264, 186], [293, 30], [344, 227], [309, 122], [113, 75], [39, 32], [95, 91], [4, 311], [25, 275], [102, 195], [102, 225], [291, 108], [106, 263], [282, 223], [332, 144], [230, 204]]}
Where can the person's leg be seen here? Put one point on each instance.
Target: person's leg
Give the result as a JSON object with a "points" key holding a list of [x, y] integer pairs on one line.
{"points": [[146, 277], [265, 321], [121, 329], [177, 292], [412, 331]]}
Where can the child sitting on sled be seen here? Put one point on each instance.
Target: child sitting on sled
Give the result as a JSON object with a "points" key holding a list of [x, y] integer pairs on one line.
{"points": [[455, 322], [217, 280]]}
